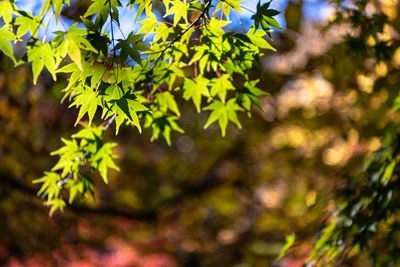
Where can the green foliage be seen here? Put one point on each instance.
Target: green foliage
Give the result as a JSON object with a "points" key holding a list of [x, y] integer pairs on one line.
{"points": [[369, 27], [56, 4], [396, 104], [223, 112], [41, 55], [5, 37], [289, 243], [135, 79], [367, 206], [87, 100], [85, 149], [264, 17], [366, 214], [196, 88]]}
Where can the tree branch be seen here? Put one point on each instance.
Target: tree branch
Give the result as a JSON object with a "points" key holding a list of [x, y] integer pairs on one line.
{"points": [[203, 13], [210, 180]]}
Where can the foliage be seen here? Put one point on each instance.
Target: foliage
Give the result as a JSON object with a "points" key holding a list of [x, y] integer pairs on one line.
{"points": [[366, 212], [134, 80], [91, 151], [206, 200], [367, 206]]}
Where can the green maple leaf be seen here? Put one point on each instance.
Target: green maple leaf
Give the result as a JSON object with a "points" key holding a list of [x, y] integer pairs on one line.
{"points": [[26, 23], [5, 37], [68, 162], [202, 55], [196, 88], [80, 185], [127, 107], [74, 188], [162, 32], [250, 93], [235, 4], [180, 10], [223, 112], [104, 159], [49, 186], [73, 43], [89, 133], [95, 7], [227, 5], [220, 86], [144, 5], [167, 101], [256, 37], [87, 99], [42, 55], [73, 79], [98, 71], [162, 123], [56, 204], [57, 4], [6, 11], [150, 24], [264, 17], [131, 46]]}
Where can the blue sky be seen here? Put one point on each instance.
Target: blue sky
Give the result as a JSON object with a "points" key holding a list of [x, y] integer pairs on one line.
{"points": [[313, 9]]}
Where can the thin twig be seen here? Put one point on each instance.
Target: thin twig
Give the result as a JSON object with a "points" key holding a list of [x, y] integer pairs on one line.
{"points": [[119, 28], [40, 23], [98, 85], [66, 179], [110, 122], [45, 32], [60, 18], [113, 42], [240, 22], [183, 33]]}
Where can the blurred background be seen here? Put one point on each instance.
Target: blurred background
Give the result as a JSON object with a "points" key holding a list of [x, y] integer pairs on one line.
{"points": [[206, 200]]}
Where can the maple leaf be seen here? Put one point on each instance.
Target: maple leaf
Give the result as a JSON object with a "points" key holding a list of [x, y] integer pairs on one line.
{"points": [[42, 55], [95, 7], [68, 153], [6, 11], [89, 132], [256, 37], [5, 37], [162, 123], [250, 93], [195, 89], [167, 101], [26, 23], [56, 204], [48, 4], [104, 159], [220, 86], [180, 10], [227, 5], [149, 24], [80, 185], [126, 108], [74, 42], [49, 187], [264, 17], [144, 5], [87, 99], [131, 46], [223, 112]]}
